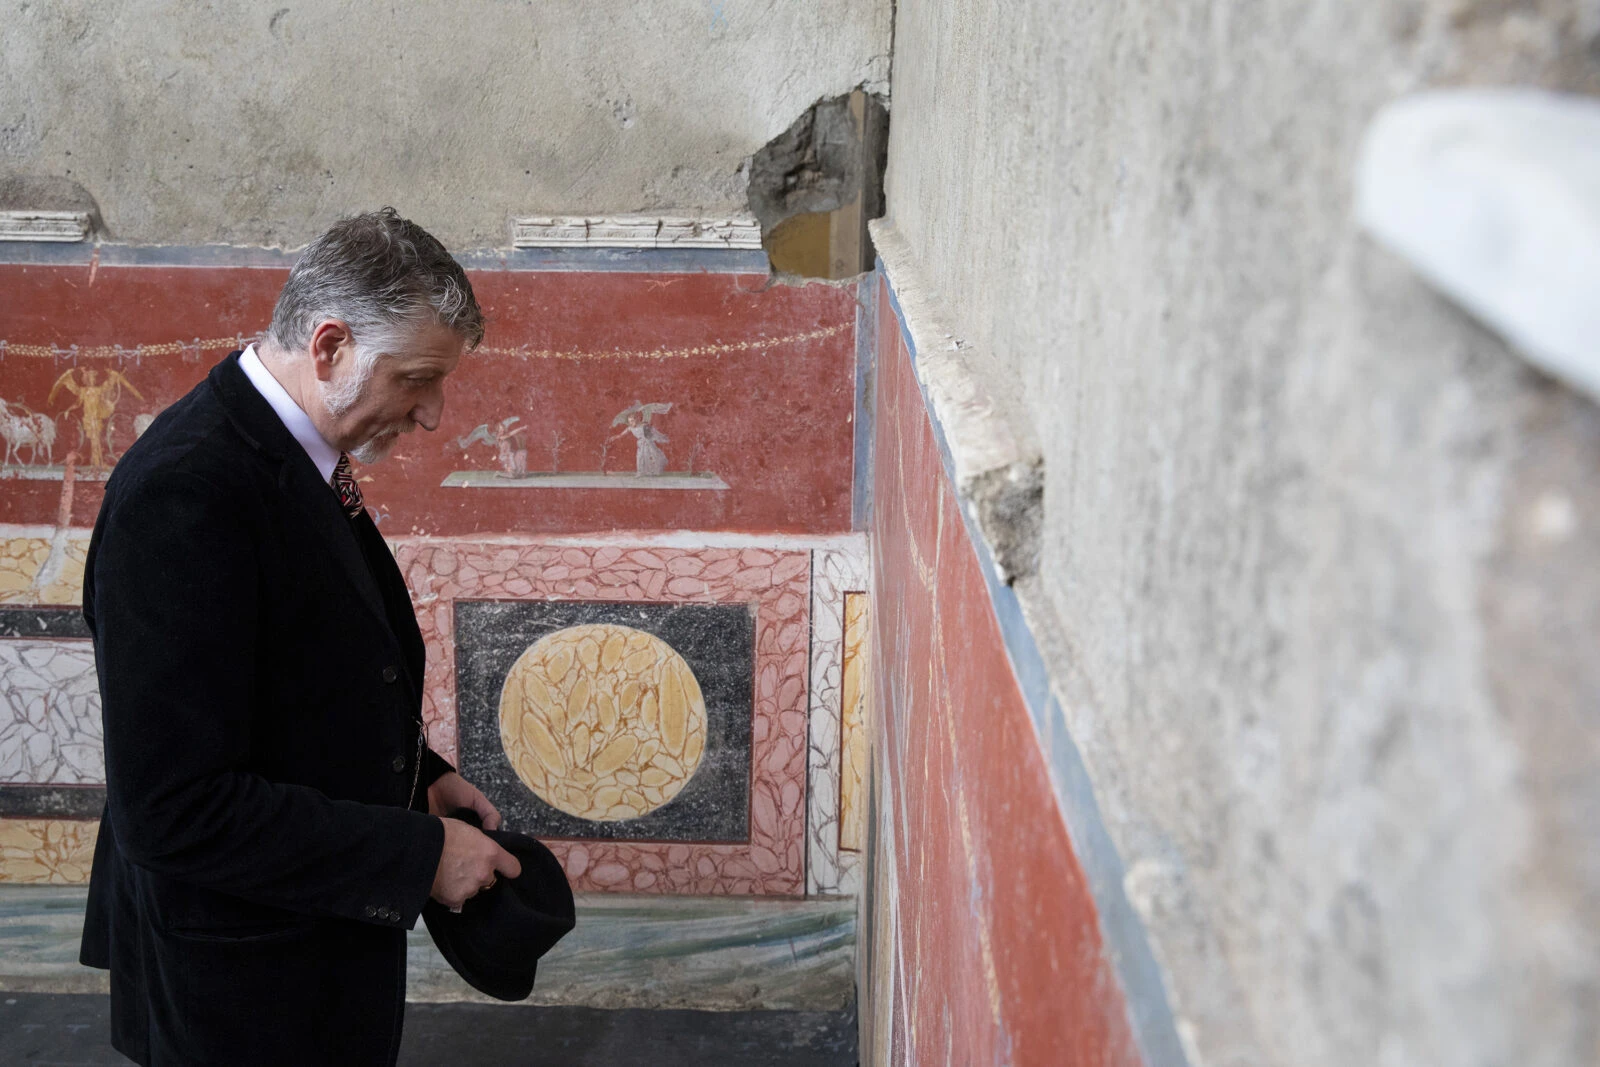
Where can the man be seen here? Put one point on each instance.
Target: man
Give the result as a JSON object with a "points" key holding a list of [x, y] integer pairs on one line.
{"points": [[271, 826]]}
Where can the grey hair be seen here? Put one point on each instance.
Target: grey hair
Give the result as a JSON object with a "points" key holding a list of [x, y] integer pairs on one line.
{"points": [[381, 275]]}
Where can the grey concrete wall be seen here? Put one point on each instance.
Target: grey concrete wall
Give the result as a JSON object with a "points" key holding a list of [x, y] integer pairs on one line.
{"points": [[192, 122], [1320, 571]]}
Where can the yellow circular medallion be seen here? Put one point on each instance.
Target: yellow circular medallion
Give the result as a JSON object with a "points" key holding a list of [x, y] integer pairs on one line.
{"points": [[603, 722]]}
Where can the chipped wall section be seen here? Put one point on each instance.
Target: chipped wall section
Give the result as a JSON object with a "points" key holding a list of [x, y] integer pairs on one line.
{"points": [[613, 545], [497, 110], [814, 188]]}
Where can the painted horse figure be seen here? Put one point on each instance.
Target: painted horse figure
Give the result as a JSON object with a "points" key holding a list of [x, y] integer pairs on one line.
{"points": [[23, 428]]}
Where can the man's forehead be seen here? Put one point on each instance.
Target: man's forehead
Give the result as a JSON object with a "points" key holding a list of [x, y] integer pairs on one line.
{"points": [[432, 347]]}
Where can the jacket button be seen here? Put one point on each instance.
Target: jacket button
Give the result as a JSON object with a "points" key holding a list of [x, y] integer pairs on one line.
{"points": [[369, 911], [390, 674], [399, 764]]}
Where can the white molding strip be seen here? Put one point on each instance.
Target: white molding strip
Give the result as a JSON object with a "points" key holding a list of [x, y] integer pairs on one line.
{"points": [[44, 225], [634, 231]]}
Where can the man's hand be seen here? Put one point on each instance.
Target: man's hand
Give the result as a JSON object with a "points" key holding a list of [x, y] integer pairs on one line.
{"points": [[469, 863], [451, 792]]}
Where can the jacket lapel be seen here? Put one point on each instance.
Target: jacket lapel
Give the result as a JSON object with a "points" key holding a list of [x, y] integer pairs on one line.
{"points": [[312, 500], [402, 620], [319, 508]]}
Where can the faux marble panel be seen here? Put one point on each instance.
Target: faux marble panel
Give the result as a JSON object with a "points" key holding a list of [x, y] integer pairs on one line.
{"points": [[25, 801], [441, 571], [53, 851], [43, 621], [606, 720], [42, 569], [49, 713], [853, 746], [835, 572]]}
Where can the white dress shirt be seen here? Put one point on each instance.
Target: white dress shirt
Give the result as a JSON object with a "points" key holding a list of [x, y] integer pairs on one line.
{"points": [[293, 416]]}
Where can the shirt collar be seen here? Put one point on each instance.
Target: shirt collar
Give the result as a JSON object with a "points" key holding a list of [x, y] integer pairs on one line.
{"points": [[292, 415]]}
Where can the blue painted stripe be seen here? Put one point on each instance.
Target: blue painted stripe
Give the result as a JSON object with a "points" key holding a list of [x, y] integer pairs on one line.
{"points": [[143, 255], [866, 390], [46, 253], [603, 260], [1122, 931]]}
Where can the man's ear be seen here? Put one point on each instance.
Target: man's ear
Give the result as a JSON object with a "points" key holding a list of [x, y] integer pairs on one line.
{"points": [[328, 342]]}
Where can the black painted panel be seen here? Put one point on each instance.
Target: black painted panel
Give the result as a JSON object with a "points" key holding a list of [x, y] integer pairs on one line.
{"points": [[717, 641]]}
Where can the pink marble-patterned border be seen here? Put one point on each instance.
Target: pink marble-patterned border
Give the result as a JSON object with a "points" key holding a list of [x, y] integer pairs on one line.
{"points": [[441, 570]]}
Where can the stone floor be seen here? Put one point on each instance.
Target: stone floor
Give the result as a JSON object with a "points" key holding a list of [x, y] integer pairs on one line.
{"points": [[66, 1030]]}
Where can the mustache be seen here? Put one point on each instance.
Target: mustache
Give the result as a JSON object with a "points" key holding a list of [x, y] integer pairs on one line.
{"points": [[378, 446]]}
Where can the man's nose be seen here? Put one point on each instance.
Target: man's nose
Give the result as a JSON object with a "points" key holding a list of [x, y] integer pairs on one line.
{"points": [[428, 413]]}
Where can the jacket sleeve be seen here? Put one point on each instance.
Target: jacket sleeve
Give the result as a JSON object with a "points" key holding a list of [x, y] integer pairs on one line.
{"points": [[434, 767], [176, 585]]}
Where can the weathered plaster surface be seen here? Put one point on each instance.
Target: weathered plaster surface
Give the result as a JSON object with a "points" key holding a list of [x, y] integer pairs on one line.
{"points": [[192, 123], [1317, 579]]}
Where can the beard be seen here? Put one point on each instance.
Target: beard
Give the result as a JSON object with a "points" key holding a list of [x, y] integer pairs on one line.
{"points": [[340, 397], [379, 445]]}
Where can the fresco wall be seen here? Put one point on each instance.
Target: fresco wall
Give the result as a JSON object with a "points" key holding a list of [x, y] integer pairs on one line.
{"points": [[982, 944], [628, 545]]}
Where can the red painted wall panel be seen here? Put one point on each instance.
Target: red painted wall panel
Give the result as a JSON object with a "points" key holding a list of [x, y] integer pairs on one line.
{"points": [[999, 951], [760, 380], [759, 438]]}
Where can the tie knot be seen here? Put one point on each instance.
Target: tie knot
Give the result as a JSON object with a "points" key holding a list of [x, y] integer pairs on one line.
{"points": [[344, 484]]}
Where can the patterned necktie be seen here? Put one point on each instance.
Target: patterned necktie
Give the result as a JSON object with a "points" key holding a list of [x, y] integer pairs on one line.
{"points": [[344, 483]]}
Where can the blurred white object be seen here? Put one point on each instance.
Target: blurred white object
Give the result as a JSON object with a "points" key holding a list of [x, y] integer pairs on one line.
{"points": [[1494, 197]]}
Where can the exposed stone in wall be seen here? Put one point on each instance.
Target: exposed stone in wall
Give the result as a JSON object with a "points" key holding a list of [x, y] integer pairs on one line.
{"points": [[814, 187], [813, 166], [1009, 503]]}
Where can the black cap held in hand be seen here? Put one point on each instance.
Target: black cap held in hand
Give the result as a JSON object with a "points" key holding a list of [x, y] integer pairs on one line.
{"points": [[495, 941]]}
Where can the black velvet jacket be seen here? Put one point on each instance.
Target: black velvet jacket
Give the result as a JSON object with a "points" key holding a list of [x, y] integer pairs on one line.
{"points": [[265, 843]]}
